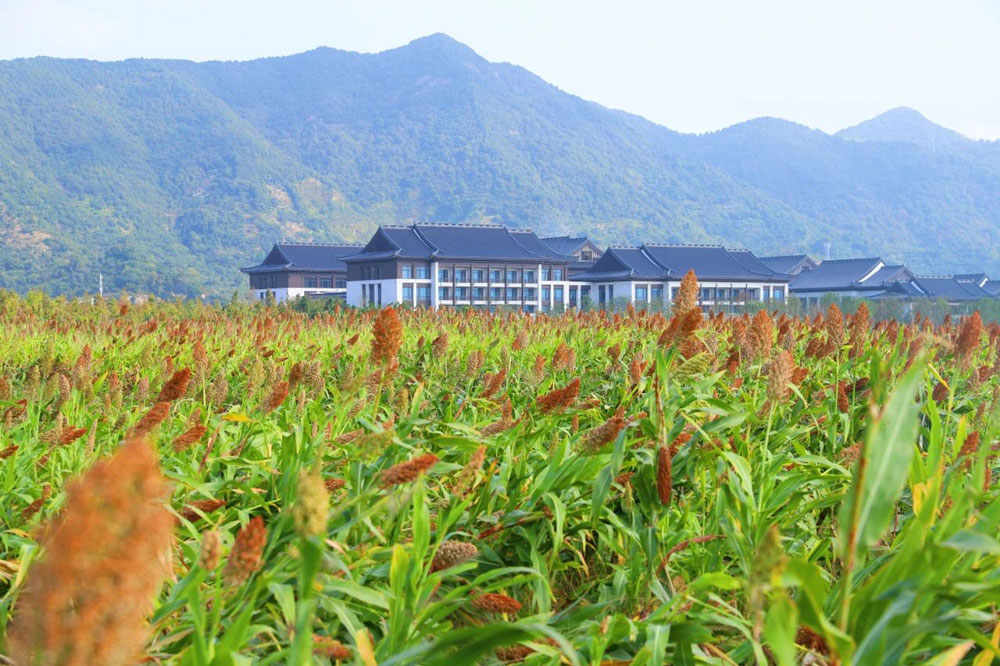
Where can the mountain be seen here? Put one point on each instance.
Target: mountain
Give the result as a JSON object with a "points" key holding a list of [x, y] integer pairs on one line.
{"points": [[167, 175], [905, 125]]}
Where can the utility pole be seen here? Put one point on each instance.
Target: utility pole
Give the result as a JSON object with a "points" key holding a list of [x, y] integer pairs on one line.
{"points": [[100, 284]]}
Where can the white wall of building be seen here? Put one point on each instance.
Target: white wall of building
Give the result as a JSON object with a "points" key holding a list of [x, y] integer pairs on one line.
{"points": [[282, 294], [625, 291]]}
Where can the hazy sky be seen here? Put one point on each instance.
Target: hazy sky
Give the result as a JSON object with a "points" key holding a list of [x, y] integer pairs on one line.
{"points": [[693, 66]]}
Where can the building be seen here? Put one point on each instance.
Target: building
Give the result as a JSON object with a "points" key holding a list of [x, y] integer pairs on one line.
{"points": [[955, 289], [301, 269], [491, 266], [583, 251], [849, 278], [790, 264], [649, 275], [438, 265]]}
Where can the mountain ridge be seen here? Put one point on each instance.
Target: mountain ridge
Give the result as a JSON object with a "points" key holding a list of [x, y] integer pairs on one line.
{"points": [[167, 175]]}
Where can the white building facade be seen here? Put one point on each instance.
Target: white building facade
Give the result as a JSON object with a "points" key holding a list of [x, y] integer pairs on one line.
{"points": [[648, 276], [478, 266], [293, 270]]}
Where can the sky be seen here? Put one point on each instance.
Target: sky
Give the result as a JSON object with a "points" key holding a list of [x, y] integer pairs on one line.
{"points": [[693, 66]]}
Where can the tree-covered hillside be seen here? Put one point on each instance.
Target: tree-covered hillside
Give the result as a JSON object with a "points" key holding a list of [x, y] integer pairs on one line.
{"points": [[168, 175]]}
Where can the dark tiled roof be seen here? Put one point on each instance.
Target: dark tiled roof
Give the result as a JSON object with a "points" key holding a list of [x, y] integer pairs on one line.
{"points": [[711, 262], [835, 274], [304, 257], [457, 241], [624, 263], [662, 262], [979, 278], [901, 289], [790, 263], [950, 288], [752, 261], [889, 274], [565, 244], [992, 287]]}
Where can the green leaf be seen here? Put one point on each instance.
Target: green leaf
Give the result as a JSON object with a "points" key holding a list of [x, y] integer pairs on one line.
{"points": [[780, 626], [976, 542], [882, 470]]}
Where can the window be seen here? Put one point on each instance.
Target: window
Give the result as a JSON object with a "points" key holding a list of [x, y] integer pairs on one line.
{"points": [[326, 283], [721, 294], [495, 276], [529, 294], [546, 294], [586, 255], [443, 274], [529, 277], [423, 273], [380, 293], [408, 293], [511, 276], [656, 293], [407, 272], [341, 283], [573, 296], [557, 274], [478, 275], [479, 293], [496, 294], [753, 295], [461, 275], [461, 293], [511, 294], [310, 283], [371, 293], [424, 292], [673, 292], [444, 293], [640, 293], [546, 273], [557, 294], [706, 293], [779, 293]]}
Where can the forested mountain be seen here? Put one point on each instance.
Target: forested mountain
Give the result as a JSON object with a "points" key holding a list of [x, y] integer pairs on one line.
{"points": [[168, 175]]}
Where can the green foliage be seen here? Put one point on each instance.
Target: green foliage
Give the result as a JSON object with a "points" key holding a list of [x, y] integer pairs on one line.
{"points": [[167, 176], [798, 526]]}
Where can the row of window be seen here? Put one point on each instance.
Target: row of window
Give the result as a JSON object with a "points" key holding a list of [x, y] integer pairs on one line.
{"points": [[410, 272], [739, 294], [324, 283], [496, 294], [479, 293], [654, 293]]}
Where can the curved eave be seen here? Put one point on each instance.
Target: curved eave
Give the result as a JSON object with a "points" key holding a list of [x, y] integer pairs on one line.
{"points": [[266, 268]]}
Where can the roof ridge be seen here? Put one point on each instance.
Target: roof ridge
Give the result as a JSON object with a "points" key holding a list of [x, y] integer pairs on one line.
{"points": [[460, 224], [833, 261], [532, 252], [314, 244], [714, 245], [425, 240], [751, 270], [667, 270]]}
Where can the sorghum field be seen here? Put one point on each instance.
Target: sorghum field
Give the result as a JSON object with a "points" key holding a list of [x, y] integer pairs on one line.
{"points": [[232, 485]]}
